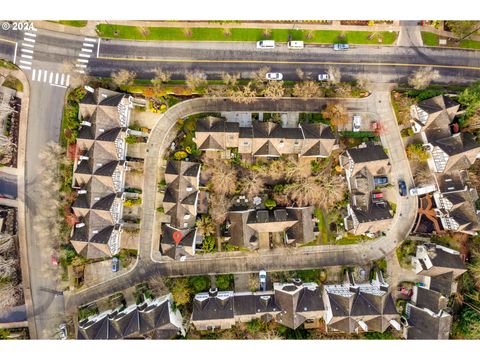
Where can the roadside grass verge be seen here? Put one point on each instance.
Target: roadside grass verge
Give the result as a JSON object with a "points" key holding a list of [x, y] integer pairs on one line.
{"points": [[239, 34], [431, 39], [74, 23]]}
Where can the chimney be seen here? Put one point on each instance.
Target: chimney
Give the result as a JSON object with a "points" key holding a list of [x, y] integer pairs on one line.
{"points": [[82, 157], [79, 225], [89, 89], [213, 292], [80, 192], [86, 123]]}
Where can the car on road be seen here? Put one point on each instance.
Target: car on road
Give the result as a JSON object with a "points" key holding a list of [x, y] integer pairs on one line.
{"points": [[262, 275], [380, 180], [115, 264], [274, 76], [323, 77], [357, 123], [62, 330], [337, 47], [295, 45], [265, 44], [402, 188]]}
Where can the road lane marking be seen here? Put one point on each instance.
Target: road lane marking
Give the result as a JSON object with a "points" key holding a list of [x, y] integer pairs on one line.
{"points": [[39, 78], [51, 78], [8, 41], [25, 67], [81, 65], [87, 50], [79, 71], [45, 76], [27, 51], [82, 60], [15, 53], [61, 86], [88, 44], [98, 46], [68, 80], [84, 55], [29, 40], [56, 78], [26, 62], [30, 34], [27, 56], [62, 79], [288, 62], [33, 74], [28, 45], [90, 40]]}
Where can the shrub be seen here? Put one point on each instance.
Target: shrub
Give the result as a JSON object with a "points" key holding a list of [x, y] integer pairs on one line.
{"points": [[160, 209], [224, 281], [180, 155], [130, 139], [417, 152], [132, 202], [199, 283], [270, 204], [208, 244]]}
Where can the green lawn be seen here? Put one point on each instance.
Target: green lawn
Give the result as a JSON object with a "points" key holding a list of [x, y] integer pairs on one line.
{"points": [[431, 39], [75, 23], [242, 34]]}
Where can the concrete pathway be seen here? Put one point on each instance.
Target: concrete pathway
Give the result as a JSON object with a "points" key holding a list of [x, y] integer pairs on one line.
{"points": [[410, 34]]}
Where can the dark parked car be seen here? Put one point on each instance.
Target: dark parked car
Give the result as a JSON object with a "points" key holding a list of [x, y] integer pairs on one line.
{"points": [[380, 180], [402, 187]]}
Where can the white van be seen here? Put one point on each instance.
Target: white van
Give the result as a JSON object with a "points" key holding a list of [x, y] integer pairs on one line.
{"points": [[295, 45], [266, 44]]}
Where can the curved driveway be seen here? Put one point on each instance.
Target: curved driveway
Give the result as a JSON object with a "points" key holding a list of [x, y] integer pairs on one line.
{"points": [[271, 260]]}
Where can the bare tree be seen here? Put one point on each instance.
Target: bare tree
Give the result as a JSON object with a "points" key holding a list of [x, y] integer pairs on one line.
{"points": [[196, 80], [230, 79], [307, 89], [274, 89], [10, 295], [218, 208], [336, 113], [160, 77], [422, 77], [123, 77], [252, 184], [300, 73], [334, 75], [363, 81], [421, 173], [244, 95], [260, 76], [78, 77], [7, 243], [223, 176]]}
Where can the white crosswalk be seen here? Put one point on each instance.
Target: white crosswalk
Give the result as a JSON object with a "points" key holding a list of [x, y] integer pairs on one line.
{"points": [[26, 50], [85, 54], [51, 77]]}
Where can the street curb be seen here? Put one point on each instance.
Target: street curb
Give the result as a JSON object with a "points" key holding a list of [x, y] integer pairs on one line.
{"points": [[21, 217]]}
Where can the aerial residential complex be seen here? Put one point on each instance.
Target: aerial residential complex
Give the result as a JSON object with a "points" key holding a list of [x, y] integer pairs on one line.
{"points": [[240, 180]]}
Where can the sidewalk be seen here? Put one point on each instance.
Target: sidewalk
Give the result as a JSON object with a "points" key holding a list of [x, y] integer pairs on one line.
{"points": [[89, 29]]}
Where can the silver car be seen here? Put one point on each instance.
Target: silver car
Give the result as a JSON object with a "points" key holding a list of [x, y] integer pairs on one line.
{"points": [[274, 76]]}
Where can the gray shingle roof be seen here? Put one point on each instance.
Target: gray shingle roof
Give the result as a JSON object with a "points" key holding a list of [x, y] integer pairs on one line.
{"points": [[369, 153]]}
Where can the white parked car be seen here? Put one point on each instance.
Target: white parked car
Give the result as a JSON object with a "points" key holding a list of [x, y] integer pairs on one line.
{"points": [[274, 76], [266, 44], [357, 123], [295, 45], [323, 77]]}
